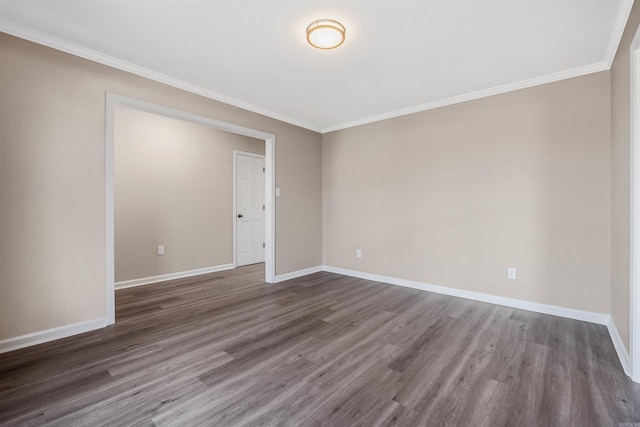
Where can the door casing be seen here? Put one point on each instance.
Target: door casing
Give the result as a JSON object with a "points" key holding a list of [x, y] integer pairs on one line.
{"points": [[111, 101]]}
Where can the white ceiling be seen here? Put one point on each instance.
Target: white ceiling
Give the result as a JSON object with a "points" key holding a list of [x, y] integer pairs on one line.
{"points": [[399, 56]]}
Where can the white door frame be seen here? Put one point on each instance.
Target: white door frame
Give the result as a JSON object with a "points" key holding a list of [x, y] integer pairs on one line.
{"points": [[113, 100], [235, 207], [634, 262]]}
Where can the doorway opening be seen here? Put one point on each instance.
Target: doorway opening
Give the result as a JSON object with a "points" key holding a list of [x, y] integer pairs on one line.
{"points": [[114, 101]]}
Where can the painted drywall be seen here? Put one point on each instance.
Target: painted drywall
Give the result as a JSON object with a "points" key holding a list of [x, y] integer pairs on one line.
{"points": [[173, 186], [52, 183], [620, 179], [456, 195]]}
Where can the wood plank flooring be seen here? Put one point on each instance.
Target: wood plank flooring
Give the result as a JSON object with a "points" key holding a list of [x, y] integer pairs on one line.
{"points": [[226, 349]]}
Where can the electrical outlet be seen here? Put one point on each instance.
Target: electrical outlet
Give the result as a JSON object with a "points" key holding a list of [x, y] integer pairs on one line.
{"points": [[358, 253], [160, 250], [512, 273]]}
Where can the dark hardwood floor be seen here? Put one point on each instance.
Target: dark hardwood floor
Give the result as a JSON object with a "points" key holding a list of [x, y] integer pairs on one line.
{"points": [[228, 349]]}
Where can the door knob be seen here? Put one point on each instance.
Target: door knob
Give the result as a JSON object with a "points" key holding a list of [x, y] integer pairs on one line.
{"points": [[239, 215]]}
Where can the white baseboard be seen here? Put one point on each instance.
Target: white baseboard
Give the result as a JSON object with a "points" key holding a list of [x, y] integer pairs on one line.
{"points": [[35, 338], [618, 344], [172, 276], [40, 337], [299, 273], [587, 316]]}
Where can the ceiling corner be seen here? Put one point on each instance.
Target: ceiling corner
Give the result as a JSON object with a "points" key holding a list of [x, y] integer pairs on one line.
{"points": [[618, 30]]}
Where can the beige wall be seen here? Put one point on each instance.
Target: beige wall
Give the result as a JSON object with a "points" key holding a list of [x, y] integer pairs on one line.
{"points": [[620, 179], [52, 178], [455, 195], [173, 187], [451, 196]]}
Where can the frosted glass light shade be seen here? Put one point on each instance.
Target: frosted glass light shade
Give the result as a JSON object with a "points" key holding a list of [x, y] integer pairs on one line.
{"points": [[325, 34]]}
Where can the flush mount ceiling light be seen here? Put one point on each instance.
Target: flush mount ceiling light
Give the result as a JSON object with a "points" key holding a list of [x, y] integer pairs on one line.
{"points": [[325, 34]]}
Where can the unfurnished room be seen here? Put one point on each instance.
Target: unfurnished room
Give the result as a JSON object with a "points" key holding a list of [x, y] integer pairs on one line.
{"points": [[320, 213]]}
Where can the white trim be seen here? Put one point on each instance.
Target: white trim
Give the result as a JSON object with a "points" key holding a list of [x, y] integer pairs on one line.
{"points": [[52, 334], [554, 310], [172, 276], [618, 30], [634, 221], [523, 84], [616, 35], [113, 100], [234, 223], [235, 207], [101, 58], [618, 344], [92, 55], [110, 102], [299, 273], [587, 316], [270, 210]]}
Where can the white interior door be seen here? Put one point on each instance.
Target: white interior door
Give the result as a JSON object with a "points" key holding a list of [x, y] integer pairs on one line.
{"points": [[249, 208]]}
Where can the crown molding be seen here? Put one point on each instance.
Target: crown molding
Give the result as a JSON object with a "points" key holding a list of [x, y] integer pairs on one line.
{"points": [[55, 43], [618, 30], [616, 36], [95, 56], [523, 84]]}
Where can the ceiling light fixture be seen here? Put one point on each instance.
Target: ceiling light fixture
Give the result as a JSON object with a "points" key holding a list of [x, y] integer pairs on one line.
{"points": [[325, 34]]}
